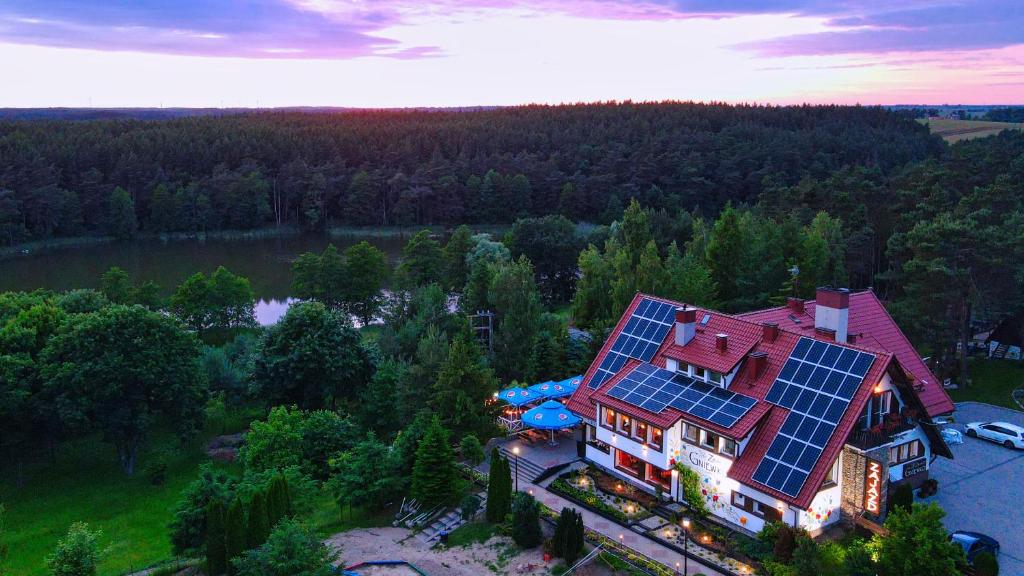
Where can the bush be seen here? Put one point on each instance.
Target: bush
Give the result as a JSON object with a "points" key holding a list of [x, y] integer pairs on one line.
{"points": [[690, 482], [526, 521], [292, 549], [902, 497], [785, 544], [77, 553], [469, 506], [471, 450], [985, 564]]}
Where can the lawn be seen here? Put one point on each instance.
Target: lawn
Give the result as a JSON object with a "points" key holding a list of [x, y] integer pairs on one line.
{"points": [[471, 533], [992, 382], [86, 484]]}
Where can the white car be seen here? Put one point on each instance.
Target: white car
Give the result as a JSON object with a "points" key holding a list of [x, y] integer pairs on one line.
{"points": [[1009, 435]]}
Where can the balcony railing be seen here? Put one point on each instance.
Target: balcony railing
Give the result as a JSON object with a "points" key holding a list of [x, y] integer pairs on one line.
{"points": [[882, 434]]}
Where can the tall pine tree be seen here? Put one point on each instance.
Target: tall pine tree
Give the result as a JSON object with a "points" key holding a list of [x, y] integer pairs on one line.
{"points": [[259, 522], [234, 532], [216, 552], [434, 478], [499, 491]]}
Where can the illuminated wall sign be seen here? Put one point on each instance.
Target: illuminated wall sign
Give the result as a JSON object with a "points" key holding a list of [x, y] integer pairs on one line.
{"points": [[873, 486], [915, 467]]}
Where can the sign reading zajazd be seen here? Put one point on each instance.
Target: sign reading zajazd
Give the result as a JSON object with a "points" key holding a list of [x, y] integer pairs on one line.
{"points": [[873, 486]]}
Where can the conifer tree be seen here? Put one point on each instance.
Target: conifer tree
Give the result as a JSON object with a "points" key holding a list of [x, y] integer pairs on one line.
{"points": [[498, 491], [433, 475], [234, 532], [561, 539], [259, 522], [216, 553]]}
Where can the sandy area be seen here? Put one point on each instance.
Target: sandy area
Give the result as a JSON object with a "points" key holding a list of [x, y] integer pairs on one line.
{"points": [[499, 555]]}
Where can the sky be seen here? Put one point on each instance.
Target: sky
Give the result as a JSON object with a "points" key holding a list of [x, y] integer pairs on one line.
{"points": [[401, 53]]}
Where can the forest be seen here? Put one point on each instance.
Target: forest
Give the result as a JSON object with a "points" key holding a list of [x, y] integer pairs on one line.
{"points": [[585, 162]]}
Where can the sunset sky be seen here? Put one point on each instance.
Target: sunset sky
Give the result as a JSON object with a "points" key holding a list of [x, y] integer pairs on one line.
{"points": [[386, 53]]}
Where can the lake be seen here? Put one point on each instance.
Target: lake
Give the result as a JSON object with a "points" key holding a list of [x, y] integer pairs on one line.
{"points": [[266, 262]]}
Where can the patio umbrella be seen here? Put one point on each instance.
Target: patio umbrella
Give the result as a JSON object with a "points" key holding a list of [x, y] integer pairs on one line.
{"points": [[560, 389], [518, 396], [551, 415]]}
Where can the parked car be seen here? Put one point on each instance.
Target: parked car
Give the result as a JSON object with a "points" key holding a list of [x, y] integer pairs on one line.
{"points": [[1009, 435], [974, 543]]}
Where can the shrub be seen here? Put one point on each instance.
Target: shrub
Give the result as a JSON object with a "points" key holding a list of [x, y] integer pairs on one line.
{"points": [[77, 553], [156, 471], [526, 521], [292, 549], [785, 544], [471, 449], [985, 564], [469, 506]]}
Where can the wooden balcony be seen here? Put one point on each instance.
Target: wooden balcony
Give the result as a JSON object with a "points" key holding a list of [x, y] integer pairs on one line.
{"points": [[882, 433]]}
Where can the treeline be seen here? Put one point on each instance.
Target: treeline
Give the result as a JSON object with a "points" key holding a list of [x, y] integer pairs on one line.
{"points": [[585, 162], [1008, 114]]}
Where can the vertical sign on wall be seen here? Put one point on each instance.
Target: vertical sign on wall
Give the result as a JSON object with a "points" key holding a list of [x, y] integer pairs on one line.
{"points": [[873, 486]]}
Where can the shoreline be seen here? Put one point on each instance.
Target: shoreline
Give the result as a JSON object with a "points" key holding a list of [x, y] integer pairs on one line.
{"points": [[54, 244]]}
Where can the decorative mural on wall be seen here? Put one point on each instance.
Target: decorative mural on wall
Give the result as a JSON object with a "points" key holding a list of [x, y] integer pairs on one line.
{"points": [[714, 484], [821, 511]]}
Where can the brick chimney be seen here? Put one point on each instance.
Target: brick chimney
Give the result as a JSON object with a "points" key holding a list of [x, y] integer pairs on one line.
{"points": [[769, 332], [686, 325], [722, 342], [832, 311], [796, 305], [824, 333], [756, 363]]}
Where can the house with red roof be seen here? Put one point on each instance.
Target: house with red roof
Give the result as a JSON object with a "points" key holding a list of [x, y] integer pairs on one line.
{"points": [[804, 414]]}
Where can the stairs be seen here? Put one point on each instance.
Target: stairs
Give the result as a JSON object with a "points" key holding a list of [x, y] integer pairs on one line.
{"points": [[447, 522], [1000, 352], [528, 471]]}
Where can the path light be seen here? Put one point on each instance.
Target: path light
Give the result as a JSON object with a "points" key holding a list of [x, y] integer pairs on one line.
{"points": [[515, 450], [686, 547]]}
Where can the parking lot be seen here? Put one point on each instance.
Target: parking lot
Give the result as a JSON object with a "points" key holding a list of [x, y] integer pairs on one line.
{"points": [[982, 488]]}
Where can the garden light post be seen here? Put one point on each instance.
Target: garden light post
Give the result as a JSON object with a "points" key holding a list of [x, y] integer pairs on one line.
{"points": [[686, 547], [515, 450]]}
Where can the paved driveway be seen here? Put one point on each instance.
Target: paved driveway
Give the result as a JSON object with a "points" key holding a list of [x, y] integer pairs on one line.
{"points": [[982, 488]]}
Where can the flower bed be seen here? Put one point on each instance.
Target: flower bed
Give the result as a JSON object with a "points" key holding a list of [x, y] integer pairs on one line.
{"points": [[588, 499]]}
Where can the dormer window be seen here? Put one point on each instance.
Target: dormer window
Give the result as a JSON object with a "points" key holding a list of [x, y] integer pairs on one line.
{"points": [[699, 373], [715, 378]]}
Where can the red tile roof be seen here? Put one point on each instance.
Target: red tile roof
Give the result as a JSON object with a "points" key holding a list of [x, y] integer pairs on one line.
{"points": [[874, 328], [868, 319]]}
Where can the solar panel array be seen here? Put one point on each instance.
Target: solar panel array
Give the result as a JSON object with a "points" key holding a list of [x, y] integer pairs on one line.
{"points": [[653, 388], [639, 339], [816, 385]]}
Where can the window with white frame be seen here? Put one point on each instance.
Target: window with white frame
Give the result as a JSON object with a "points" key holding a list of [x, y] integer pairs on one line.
{"points": [[709, 440], [728, 446]]}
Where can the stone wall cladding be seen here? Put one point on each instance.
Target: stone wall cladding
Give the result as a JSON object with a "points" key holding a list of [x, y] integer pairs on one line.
{"points": [[853, 469]]}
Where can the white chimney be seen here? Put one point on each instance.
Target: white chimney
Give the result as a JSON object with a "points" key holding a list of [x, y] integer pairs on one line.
{"points": [[832, 311], [686, 325]]}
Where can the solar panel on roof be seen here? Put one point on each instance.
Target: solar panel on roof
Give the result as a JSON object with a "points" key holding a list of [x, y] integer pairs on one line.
{"points": [[640, 338], [816, 384], [654, 389]]}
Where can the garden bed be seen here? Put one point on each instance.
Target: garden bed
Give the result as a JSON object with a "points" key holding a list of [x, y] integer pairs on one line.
{"points": [[583, 488]]}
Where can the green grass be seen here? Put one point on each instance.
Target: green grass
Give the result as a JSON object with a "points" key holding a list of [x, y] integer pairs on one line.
{"points": [[86, 484], [992, 382], [329, 519], [472, 533]]}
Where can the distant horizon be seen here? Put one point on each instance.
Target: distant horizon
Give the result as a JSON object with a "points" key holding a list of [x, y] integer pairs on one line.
{"points": [[464, 53], [488, 106]]}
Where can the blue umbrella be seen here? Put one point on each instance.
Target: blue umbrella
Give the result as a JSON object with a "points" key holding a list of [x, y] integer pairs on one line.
{"points": [[551, 415], [518, 396], [560, 389]]}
